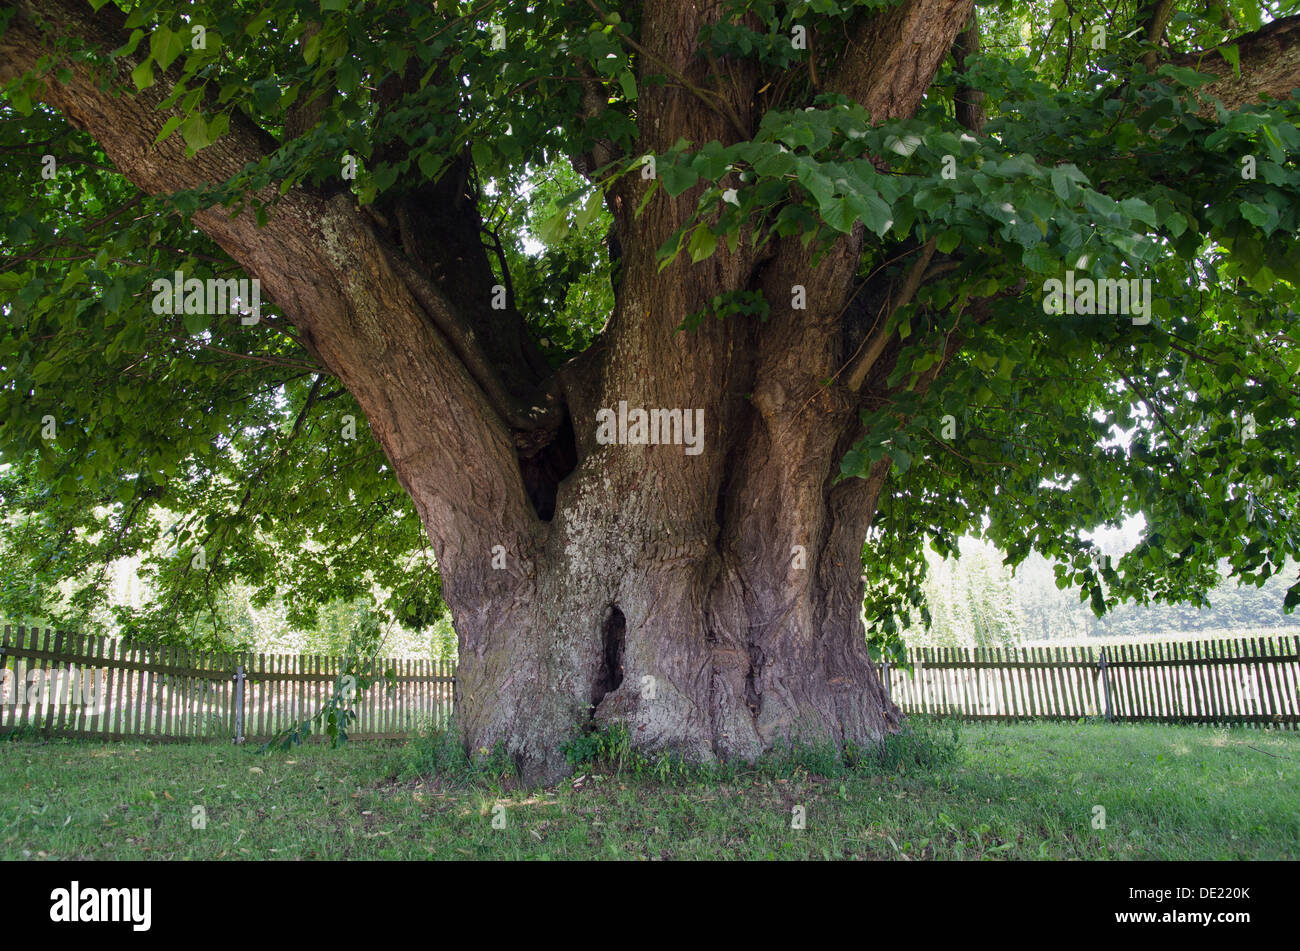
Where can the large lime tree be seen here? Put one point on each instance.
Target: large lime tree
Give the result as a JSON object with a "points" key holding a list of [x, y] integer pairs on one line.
{"points": [[645, 319]]}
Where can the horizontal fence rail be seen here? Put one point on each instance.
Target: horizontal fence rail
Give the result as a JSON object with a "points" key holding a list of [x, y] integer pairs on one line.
{"points": [[65, 684], [1244, 681]]}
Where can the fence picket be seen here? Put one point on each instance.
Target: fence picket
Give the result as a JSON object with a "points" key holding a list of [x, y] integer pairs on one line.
{"points": [[1168, 707], [1289, 707], [8, 681], [1220, 706], [1146, 685], [1232, 673]]}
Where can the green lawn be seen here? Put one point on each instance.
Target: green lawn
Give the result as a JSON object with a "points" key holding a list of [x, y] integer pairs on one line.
{"points": [[1023, 791]]}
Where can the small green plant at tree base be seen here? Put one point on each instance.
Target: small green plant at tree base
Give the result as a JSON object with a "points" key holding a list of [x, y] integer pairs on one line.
{"points": [[436, 750], [922, 745]]}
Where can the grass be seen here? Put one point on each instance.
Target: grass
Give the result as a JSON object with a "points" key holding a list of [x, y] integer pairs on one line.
{"points": [[1013, 791]]}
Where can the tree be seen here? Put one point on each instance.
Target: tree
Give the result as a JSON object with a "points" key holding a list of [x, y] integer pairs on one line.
{"points": [[833, 232]]}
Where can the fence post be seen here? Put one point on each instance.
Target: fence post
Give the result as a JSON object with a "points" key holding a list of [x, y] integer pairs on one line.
{"points": [[1105, 684], [884, 679], [239, 679]]}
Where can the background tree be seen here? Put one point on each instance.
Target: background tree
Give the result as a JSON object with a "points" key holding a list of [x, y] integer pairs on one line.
{"points": [[838, 254]]}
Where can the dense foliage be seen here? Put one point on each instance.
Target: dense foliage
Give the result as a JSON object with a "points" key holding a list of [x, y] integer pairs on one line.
{"points": [[223, 453]]}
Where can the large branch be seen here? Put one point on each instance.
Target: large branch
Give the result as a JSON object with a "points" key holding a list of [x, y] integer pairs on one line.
{"points": [[890, 62], [441, 233], [381, 331], [1269, 61], [894, 53], [968, 101]]}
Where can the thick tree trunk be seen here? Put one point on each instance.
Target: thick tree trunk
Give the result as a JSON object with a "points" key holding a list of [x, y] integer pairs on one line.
{"points": [[657, 646], [708, 639], [710, 601]]}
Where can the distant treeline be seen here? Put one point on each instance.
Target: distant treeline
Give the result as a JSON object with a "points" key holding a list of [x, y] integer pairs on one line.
{"points": [[975, 601]]}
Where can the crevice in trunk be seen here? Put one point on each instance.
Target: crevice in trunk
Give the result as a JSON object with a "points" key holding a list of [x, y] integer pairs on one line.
{"points": [[546, 467], [753, 698], [610, 673]]}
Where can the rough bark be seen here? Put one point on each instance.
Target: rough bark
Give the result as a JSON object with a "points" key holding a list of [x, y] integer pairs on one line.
{"points": [[1269, 61]]}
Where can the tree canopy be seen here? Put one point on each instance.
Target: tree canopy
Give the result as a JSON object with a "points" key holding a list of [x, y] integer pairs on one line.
{"points": [[1056, 137]]}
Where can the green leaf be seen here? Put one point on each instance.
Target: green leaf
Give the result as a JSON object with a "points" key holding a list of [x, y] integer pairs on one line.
{"points": [[348, 76], [1185, 76], [165, 46], [1140, 210], [930, 200], [430, 165], [590, 210], [1061, 184], [552, 229], [218, 126], [113, 295], [1041, 259], [1232, 55], [702, 244], [482, 154], [142, 75], [170, 126], [1264, 217], [842, 213], [628, 84], [775, 163], [130, 46], [21, 99], [195, 133], [677, 177], [877, 215]]}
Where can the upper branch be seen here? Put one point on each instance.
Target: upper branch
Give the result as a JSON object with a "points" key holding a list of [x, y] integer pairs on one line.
{"points": [[894, 53], [1269, 62]]}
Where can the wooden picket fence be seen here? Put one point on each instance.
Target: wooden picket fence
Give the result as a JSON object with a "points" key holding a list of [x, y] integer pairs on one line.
{"points": [[126, 691], [65, 684], [1245, 681]]}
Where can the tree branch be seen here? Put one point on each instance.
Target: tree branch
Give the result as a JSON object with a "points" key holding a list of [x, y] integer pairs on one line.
{"points": [[893, 55], [1269, 61], [969, 101], [1157, 19]]}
